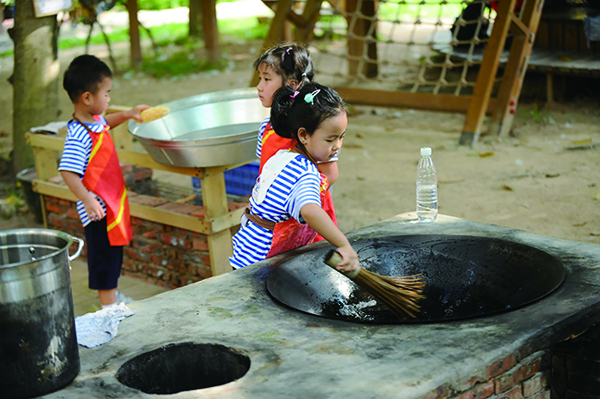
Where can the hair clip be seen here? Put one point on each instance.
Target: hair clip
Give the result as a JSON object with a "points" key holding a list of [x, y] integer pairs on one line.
{"points": [[288, 50], [309, 97], [295, 94], [303, 74]]}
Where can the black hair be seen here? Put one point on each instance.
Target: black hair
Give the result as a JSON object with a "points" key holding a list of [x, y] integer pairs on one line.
{"points": [[84, 74], [292, 109], [290, 61]]}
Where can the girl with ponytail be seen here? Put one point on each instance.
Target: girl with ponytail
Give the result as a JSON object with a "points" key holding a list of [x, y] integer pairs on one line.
{"points": [[290, 186]]}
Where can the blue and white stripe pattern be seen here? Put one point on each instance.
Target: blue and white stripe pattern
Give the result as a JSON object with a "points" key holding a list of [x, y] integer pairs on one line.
{"points": [[261, 132], [297, 184], [76, 154]]}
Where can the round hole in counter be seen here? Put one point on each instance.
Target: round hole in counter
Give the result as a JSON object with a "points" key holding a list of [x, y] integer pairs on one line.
{"points": [[183, 367]]}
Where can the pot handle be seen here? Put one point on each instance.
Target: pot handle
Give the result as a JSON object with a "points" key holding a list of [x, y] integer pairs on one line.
{"points": [[76, 254]]}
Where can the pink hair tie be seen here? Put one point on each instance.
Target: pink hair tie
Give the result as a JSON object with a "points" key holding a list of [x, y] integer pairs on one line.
{"points": [[295, 94]]}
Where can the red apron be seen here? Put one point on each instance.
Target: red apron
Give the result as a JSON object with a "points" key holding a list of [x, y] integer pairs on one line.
{"points": [[290, 234], [103, 176]]}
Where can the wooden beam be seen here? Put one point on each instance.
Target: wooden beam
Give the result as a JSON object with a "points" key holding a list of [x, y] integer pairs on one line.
{"points": [[487, 74], [434, 102], [311, 13], [275, 34], [516, 67], [517, 27], [56, 143]]}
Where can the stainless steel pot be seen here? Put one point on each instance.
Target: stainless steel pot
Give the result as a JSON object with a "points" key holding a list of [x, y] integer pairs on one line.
{"points": [[38, 346], [209, 129]]}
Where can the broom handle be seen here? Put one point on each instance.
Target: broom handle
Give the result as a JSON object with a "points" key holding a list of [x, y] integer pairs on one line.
{"points": [[333, 259]]}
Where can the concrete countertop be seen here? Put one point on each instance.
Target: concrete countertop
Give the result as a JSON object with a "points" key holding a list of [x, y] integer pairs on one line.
{"points": [[297, 355]]}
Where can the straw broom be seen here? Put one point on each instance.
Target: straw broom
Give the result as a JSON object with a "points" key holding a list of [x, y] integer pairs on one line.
{"points": [[399, 294]]}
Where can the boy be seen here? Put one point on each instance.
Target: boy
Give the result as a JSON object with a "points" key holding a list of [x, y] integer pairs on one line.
{"points": [[90, 168]]}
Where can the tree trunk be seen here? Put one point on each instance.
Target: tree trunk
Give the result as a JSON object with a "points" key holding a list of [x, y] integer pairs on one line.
{"points": [[35, 77], [135, 49], [211, 30], [195, 22]]}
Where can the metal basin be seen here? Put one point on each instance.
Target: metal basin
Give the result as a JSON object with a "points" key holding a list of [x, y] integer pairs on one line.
{"points": [[465, 277], [210, 129]]}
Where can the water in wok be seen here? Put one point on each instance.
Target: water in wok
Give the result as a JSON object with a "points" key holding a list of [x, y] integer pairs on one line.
{"points": [[464, 277]]}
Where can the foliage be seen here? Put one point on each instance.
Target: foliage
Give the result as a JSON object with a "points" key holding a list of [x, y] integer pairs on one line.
{"points": [[164, 4]]}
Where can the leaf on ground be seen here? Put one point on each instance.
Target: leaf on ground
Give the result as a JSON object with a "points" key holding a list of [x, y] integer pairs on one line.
{"points": [[507, 187], [485, 154], [353, 146], [551, 175], [597, 196], [579, 224], [451, 181], [360, 178], [595, 233], [359, 136], [582, 141]]}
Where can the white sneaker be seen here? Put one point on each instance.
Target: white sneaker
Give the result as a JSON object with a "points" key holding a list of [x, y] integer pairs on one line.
{"points": [[124, 298]]}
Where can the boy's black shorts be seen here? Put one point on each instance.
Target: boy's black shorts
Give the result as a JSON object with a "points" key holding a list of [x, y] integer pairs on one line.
{"points": [[104, 261]]}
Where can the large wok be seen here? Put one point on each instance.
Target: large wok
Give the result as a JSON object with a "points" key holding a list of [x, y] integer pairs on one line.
{"points": [[465, 277]]}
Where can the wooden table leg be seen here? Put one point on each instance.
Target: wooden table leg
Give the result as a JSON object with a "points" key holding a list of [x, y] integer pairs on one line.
{"points": [[215, 204]]}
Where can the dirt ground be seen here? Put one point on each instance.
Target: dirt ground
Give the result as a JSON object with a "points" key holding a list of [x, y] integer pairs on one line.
{"points": [[534, 181]]}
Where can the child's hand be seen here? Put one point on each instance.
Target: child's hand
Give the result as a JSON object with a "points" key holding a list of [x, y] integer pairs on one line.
{"points": [[350, 259], [93, 209], [134, 112]]}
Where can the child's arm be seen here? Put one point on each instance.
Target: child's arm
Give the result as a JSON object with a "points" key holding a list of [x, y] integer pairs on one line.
{"points": [[320, 221], [117, 118], [329, 169], [92, 206]]}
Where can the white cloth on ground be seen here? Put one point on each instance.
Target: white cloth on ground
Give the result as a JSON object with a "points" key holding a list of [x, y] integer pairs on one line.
{"points": [[97, 328]]}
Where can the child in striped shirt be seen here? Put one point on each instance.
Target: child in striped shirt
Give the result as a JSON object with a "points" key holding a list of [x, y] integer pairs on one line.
{"points": [[90, 168], [289, 185], [289, 64]]}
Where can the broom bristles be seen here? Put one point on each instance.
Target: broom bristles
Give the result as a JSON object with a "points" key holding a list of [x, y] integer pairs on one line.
{"points": [[399, 294]]}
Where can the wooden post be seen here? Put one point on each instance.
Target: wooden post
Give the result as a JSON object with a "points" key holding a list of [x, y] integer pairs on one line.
{"points": [[514, 73], [311, 16], [362, 38], [135, 49], [211, 30], [214, 198], [275, 31], [46, 166], [487, 74]]}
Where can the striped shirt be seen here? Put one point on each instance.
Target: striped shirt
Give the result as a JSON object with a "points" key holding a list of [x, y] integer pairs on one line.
{"points": [[297, 184], [261, 133], [76, 155]]}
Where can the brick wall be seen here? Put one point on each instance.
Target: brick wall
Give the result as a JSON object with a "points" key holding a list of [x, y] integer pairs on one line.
{"points": [[576, 367], [161, 254], [514, 377]]}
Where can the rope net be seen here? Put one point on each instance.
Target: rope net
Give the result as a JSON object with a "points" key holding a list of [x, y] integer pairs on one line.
{"points": [[407, 45]]}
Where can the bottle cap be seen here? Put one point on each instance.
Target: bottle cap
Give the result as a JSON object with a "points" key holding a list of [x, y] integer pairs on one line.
{"points": [[425, 151]]}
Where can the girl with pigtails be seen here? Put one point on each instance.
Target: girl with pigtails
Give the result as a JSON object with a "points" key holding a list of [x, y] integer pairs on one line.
{"points": [[289, 64], [289, 185]]}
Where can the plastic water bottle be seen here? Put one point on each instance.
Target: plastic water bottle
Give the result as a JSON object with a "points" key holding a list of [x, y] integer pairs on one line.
{"points": [[427, 199]]}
